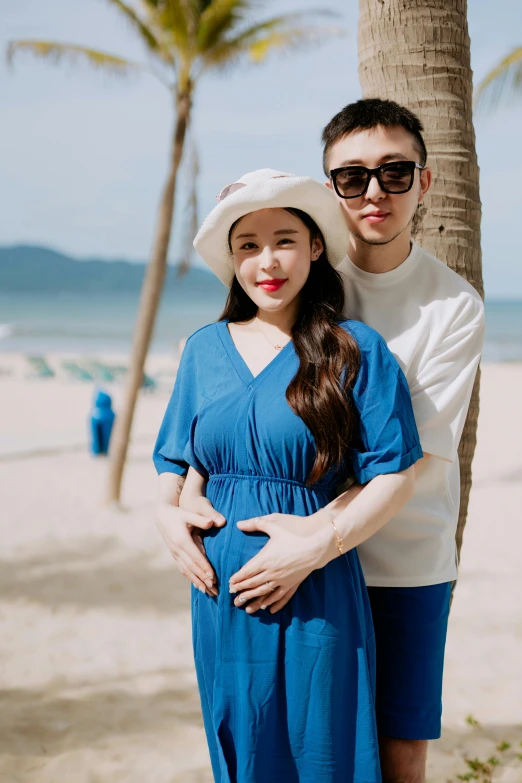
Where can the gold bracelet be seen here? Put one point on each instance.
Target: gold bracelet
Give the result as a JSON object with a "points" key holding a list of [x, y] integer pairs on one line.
{"points": [[339, 540]]}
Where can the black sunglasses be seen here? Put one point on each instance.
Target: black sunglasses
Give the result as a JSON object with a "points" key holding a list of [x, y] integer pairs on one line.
{"points": [[353, 181]]}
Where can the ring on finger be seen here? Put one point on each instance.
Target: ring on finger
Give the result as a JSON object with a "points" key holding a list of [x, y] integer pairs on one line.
{"points": [[270, 586]]}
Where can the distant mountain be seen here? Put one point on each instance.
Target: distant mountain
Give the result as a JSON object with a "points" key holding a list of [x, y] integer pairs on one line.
{"points": [[30, 268]]}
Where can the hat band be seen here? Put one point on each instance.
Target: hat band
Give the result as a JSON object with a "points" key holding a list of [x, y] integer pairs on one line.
{"points": [[229, 189]]}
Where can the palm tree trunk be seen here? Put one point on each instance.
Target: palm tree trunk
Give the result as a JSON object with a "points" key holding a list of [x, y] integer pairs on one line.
{"points": [[417, 52], [148, 306]]}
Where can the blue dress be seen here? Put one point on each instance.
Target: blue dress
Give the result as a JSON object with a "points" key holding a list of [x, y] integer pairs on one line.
{"points": [[289, 697]]}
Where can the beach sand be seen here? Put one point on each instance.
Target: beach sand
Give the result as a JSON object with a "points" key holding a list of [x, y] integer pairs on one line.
{"points": [[97, 679]]}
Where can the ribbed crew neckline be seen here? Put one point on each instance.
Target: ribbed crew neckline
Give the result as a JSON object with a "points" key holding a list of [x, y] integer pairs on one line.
{"points": [[378, 280]]}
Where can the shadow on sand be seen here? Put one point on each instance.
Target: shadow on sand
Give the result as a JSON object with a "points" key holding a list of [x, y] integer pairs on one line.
{"points": [[57, 719], [95, 575]]}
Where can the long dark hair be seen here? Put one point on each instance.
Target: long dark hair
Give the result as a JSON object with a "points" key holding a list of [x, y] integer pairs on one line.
{"points": [[329, 357]]}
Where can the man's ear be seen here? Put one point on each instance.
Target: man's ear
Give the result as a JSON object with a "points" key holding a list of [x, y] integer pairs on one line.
{"points": [[328, 184], [426, 178]]}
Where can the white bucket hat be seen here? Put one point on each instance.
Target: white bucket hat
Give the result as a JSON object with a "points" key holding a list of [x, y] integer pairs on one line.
{"points": [[265, 189]]}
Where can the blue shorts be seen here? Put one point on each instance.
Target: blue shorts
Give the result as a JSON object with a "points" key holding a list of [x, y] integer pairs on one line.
{"points": [[410, 631]]}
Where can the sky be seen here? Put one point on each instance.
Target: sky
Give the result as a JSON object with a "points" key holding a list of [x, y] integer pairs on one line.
{"points": [[84, 155]]}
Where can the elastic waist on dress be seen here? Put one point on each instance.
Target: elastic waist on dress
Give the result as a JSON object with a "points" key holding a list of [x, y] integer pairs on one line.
{"points": [[256, 476]]}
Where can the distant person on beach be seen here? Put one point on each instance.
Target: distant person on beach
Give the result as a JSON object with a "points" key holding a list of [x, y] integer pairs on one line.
{"points": [[274, 407]]}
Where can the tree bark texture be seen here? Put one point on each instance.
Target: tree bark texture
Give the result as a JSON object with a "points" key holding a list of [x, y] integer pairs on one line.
{"points": [[417, 53], [148, 307]]}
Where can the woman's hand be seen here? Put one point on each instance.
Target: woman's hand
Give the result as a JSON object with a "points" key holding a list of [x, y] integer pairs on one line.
{"points": [[296, 548], [180, 529], [199, 504], [275, 600]]}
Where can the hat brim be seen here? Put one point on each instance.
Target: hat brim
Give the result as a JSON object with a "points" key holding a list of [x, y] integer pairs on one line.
{"points": [[281, 191]]}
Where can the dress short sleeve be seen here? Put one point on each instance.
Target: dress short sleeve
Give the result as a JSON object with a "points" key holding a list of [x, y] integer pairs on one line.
{"points": [[388, 437], [173, 452]]}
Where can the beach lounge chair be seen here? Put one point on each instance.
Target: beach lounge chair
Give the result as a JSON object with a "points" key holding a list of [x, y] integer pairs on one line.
{"points": [[101, 372], [148, 383], [114, 373], [77, 372], [40, 367]]}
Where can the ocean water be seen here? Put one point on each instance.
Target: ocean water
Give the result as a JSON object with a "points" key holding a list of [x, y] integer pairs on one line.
{"points": [[87, 324]]}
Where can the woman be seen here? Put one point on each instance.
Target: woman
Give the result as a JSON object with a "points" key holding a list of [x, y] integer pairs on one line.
{"points": [[274, 406]]}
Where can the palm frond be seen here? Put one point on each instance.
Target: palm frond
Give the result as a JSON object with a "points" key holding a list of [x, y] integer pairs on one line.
{"points": [[174, 18], [503, 80], [73, 53], [259, 40], [219, 16], [224, 17], [202, 5], [147, 34]]}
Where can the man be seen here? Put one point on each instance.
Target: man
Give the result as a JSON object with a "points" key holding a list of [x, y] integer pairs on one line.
{"points": [[433, 321]]}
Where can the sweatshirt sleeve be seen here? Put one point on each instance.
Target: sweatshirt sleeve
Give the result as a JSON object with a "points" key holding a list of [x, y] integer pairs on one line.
{"points": [[441, 390]]}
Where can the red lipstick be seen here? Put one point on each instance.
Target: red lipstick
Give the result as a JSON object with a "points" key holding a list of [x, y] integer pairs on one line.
{"points": [[272, 284]]}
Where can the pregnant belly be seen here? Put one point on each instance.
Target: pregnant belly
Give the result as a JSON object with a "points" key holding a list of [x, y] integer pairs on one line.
{"points": [[239, 498]]}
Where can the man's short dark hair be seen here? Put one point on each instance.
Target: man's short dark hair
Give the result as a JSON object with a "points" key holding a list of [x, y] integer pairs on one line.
{"points": [[369, 113]]}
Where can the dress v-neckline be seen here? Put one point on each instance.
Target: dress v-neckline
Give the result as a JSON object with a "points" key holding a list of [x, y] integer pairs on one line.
{"points": [[242, 368]]}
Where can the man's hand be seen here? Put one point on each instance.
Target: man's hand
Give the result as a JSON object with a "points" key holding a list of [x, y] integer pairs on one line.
{"points": [[199, 504], [180, 529]]}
